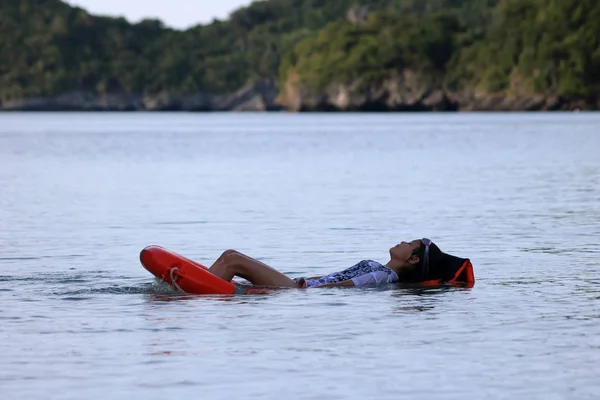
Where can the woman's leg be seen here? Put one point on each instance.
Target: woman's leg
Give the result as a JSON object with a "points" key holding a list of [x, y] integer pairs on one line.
{"points": [[232, 263], [222, 257]]}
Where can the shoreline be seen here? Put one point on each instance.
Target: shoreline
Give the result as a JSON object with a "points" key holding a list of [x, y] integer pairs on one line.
{"points": [[284, 111], [478, 111], [265, 96]]}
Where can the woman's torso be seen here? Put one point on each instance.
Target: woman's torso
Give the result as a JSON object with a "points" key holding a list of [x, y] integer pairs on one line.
{"points": [[363, 273]]}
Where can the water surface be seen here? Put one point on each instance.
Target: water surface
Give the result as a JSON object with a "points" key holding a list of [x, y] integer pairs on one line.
{"points": [[82, 194]]}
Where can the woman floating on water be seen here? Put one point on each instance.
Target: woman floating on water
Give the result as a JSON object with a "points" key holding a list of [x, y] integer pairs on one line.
{"points": [[417, 261]]}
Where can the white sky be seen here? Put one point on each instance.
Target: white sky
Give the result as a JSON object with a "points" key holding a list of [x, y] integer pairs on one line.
{"points": [[174, 13]]}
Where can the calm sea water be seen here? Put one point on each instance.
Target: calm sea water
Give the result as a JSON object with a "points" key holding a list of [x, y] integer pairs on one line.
{"points": [[82, 194]]}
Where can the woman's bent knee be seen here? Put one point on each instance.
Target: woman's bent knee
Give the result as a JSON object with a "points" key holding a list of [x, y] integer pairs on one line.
{"points": [[233, 257], [228, 253]]}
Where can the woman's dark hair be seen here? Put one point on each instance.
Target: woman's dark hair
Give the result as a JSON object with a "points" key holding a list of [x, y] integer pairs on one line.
{"points": [[419, 252], [413, 275]]}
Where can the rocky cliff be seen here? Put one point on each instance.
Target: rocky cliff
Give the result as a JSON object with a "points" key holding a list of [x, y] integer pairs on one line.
{"points": [[409, 92], [406, 92]]}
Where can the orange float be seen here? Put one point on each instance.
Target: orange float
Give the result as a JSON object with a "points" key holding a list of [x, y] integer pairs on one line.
{"points": [[452, 271], [184, 274]]}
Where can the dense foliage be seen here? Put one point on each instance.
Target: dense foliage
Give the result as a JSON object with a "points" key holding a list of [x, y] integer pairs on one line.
{"points": [[373, 51], [48, 47], [514, 46], [547, 46]]}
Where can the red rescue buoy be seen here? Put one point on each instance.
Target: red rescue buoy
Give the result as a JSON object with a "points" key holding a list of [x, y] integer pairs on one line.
{"points": [[183, 273]]}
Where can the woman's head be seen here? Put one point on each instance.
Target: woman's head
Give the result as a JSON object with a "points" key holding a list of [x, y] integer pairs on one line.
{"points": [[414, 261], [407, 253]]}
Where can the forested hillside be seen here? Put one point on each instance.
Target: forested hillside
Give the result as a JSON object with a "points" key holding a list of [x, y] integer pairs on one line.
{"points": [[511, 48]]}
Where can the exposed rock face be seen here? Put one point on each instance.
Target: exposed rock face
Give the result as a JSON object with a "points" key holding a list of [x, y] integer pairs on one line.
{"points": [[401, 93], [258, 96], [409, 92], [358, 15], [404, 92]]}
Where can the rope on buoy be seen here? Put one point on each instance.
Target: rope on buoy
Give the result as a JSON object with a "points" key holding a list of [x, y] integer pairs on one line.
{"points": [[173, 281]]}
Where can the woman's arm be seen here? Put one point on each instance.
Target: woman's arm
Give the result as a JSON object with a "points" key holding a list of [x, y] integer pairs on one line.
{"points": [[343, 283]]}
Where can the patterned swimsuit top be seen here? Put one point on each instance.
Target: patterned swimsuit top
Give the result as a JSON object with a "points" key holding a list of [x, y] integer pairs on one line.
{"points": [[365, 273]]}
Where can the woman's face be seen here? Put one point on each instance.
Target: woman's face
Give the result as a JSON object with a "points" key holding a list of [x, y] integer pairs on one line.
{"points": [[403, 251]]}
